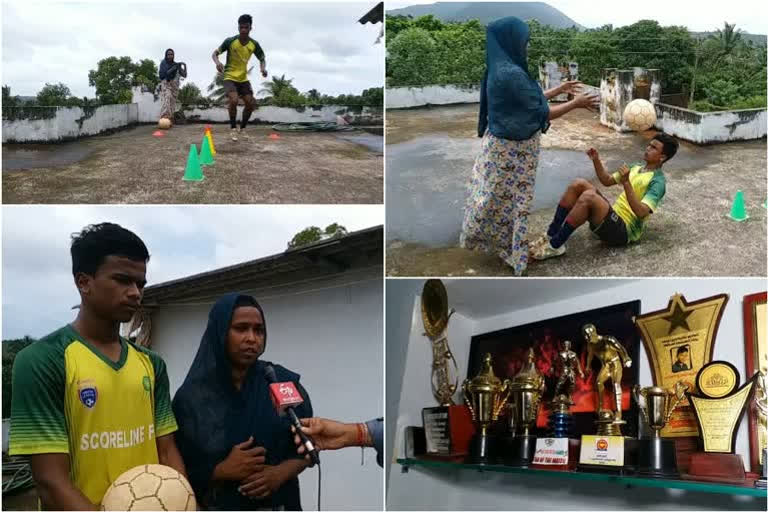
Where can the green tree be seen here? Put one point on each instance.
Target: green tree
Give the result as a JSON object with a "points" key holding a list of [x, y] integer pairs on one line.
{"points": [[9, 349], [54, 95], [373, 97], [114, 77], [428, 23], [146, 74], [313, 96], [396, 24], [306, 236], [281, 92], [8, 100], [727, 40], [190, 94], [314, 234], [412, 58], [335, 230]]}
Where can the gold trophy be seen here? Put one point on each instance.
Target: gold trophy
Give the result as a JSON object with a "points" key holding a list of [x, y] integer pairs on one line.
{"points": [[526, 391], [447, 427], [656, 456], [485, 395], [718, 407], [614, 357], [606, 450]]}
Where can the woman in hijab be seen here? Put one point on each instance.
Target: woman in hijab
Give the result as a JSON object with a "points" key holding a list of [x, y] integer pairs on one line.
{"points": [[238, 450], [170, 73], [513, 114]]}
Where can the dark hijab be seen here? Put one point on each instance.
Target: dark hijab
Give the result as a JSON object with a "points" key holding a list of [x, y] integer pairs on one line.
{"points": [[168, 69], [213, 416], [512, 104]]}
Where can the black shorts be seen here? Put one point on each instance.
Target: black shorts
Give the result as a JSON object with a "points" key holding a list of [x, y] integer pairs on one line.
{"points": [[612, 230], [241, 88]]}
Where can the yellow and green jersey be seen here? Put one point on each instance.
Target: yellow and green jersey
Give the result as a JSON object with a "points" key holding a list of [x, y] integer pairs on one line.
{"points": [[70, 398], [238, 55], [649, 186]]}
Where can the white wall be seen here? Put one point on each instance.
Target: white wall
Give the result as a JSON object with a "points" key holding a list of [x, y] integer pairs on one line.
{"points": [[149, 112], [430, 489], [332, 337], [69, 123], [407, 97], [709, 127]]}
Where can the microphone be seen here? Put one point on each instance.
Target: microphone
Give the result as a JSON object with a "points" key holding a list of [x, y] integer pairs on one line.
{"points": [[285, 396]]}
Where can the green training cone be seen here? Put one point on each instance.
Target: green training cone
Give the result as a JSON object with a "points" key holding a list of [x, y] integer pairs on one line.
{"points": [[206, 158], [738, 210], [193, 172]]}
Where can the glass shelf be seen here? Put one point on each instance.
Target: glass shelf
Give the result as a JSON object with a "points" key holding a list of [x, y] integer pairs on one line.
{"points": [[629, 481]]}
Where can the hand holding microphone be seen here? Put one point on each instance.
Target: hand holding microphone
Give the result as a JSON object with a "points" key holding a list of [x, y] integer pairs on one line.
{"points": [[332, 435], [285, 396]]}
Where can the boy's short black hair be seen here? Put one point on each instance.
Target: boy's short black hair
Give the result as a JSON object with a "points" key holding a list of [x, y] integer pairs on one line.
{"points": [[670, 145], [682, 350], [245, 18], [95, 242]]}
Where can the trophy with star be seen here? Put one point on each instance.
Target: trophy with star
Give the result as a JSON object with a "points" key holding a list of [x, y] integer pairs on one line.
{"points": [[679, 340]]}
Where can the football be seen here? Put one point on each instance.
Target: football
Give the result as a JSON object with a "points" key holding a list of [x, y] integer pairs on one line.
{"points": [[150, 487], [640, 115], [164, 123]]}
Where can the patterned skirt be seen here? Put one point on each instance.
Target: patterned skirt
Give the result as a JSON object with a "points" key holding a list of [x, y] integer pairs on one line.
{"points": [[500, 195], [169, 91]]}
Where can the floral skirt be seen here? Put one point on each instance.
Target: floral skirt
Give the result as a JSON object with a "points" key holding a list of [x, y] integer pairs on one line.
{"points": [[169, 91], [500, 195]]}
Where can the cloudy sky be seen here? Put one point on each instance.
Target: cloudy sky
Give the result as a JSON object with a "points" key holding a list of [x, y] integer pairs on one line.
{"points": [[698, 16], [318, 44], [37, 286]]}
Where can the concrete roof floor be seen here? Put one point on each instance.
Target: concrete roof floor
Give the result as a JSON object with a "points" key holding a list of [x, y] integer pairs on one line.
{"points": [[430, 153], [132, 166]]}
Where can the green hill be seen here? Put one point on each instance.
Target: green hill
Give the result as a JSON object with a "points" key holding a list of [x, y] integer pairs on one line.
{"points": [[486, 12]]}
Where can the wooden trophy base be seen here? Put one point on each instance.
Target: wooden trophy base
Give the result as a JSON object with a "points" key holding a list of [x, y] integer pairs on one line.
{"points": [[727, 468]]}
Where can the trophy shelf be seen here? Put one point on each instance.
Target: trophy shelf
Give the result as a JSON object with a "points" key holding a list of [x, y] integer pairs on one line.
{"points": [[629, 481]]}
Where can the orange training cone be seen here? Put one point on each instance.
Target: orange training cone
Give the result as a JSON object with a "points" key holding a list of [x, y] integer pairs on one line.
{"points": [[274, 136], [158, 133]]}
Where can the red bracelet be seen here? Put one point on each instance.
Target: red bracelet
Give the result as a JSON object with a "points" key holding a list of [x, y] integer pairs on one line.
{"points": [[360, 434]]}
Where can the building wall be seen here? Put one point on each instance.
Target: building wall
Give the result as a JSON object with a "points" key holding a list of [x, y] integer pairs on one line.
{"points": [[552, 74], [329, 333], [56, 124], [711, 127], [149, 112], [409, 97], [432, 489]]}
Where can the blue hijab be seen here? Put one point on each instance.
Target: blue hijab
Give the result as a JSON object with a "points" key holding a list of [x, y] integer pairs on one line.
{"points": [[213, 416], [512, 104]]}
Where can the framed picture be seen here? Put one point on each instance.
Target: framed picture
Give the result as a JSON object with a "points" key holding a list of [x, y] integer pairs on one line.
{"points": [[509, 348], [756, 351]]}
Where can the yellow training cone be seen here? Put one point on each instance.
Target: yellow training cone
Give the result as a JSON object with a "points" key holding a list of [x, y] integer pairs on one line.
{"points": [[209, 135]]}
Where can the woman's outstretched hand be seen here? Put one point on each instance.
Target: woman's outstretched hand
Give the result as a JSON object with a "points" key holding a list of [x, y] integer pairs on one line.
{"points": [[588, 101], [570, 87]]}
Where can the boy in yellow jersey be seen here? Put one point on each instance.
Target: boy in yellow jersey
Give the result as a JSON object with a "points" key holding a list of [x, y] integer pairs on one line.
{"points": [[618, 224], [88, 404], [239, 49]]}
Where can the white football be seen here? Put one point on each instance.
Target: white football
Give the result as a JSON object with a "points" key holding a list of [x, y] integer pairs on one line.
{"points": [[640, 115], [164, 123], [150, 487]]}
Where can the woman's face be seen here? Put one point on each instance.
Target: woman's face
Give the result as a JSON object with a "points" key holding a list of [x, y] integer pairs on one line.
{"points": [[169, 55], [245, 339]]}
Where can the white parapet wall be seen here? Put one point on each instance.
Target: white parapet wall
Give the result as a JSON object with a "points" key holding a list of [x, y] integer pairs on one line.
{"points": [[409, 97], [59, 124], [711, 127], [149, 112]]}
